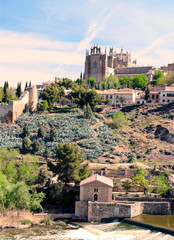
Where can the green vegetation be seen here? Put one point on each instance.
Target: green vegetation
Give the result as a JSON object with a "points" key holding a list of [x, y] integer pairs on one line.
{"points": [[18, 90], [88, 112], [91, 82], [45, 220], [126, 186], [68, 160], [109, 83], [16, 180], [26, 221], [52, 94], [118, 119], [162, 185]]}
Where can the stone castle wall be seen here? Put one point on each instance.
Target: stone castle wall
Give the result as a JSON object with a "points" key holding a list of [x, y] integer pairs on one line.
{"points": [[95, 211], [11, 111]]}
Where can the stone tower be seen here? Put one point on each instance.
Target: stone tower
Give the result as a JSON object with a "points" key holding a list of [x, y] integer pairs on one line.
{"points": [[99, 65], [32, 98]]}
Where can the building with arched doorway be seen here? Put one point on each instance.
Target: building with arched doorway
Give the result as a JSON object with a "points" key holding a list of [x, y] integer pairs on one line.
{"points": [[96, 188]]}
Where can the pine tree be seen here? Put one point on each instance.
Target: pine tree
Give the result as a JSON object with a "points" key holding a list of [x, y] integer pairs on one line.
{"points": [[41, 132], [30, 84], [88, 112], [68, 160]]}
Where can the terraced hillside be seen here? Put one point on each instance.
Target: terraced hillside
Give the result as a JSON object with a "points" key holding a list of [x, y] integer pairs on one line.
{"points": [[147, 136], [94, 138]]}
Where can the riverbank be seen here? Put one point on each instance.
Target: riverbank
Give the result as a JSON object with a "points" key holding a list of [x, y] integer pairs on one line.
{"points": [[19, 219]]}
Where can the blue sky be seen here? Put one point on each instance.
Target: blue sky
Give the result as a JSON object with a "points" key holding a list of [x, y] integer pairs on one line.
{"points": [[41, 39]]}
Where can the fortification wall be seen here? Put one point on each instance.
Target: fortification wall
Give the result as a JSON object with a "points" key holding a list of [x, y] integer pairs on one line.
{"points": [[20, 105], [11, 111]]}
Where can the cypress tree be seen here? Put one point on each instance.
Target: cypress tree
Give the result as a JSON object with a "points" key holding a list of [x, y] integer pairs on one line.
{"points": [[30, 84], [26, 143], [147, 94], [53, 134], [88, 113], [5, 98], [26, 131], [47, 153], [41, 132], [26, 85], [36, 145]]}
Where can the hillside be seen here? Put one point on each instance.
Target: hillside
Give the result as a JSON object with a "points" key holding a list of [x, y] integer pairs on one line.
{"points": [[147, 136]]}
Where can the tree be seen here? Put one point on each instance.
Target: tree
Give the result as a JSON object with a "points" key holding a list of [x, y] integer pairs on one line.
{"points": [[41, 132], [126, 186], [78, 96], [26, 131], [68, 160], [110, 82], [26, 144], [8, 163], [28, 169], [26, 86], [42, 106], [52, 94], [118, 119], [5, 98], [18, 90], [1, 94], [140, 81], [53, 134], [30, 84], [47, 153], [162, 185], [140, 179], [92, 98], [36, 145], [88, 112], [157, 77], [91, 82], [147, 94]]}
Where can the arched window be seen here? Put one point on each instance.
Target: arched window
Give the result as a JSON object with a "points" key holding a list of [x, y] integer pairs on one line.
{"points": [[95, 65], [95, 197]]}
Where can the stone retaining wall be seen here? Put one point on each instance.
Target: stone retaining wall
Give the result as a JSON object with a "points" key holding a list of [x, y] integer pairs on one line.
{"points": [[95, 211]]}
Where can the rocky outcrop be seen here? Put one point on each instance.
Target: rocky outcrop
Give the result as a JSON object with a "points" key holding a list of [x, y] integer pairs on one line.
{"points": [[163, 134]]}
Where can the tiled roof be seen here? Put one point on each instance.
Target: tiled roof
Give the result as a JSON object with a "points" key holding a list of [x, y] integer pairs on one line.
{"points": [[99, 178]]}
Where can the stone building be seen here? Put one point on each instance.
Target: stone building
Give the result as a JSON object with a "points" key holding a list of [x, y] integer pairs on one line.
{"points": [[121, 96], [96, 188], [99, 65]]}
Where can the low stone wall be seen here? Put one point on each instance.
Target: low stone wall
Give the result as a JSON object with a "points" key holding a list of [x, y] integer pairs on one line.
{"points": [[156, 208], [95, 211], [81, 209]]}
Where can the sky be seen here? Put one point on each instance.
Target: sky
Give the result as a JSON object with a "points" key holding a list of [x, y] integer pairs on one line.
{"points": [[41, 39]]}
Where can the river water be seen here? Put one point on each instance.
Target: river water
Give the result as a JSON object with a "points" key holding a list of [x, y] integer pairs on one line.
{"points": [[109, 231]]}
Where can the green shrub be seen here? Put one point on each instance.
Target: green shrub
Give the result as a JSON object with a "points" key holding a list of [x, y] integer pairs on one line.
{"points": [[45, 220], [26, 144], [25, 222]]}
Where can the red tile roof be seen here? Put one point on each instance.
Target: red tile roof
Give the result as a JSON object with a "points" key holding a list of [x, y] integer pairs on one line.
{"points": [[99, 178]]}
